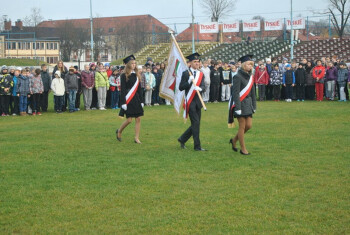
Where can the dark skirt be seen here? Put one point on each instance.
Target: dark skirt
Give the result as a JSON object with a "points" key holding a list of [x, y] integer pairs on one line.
{"points": [[245, 116]]}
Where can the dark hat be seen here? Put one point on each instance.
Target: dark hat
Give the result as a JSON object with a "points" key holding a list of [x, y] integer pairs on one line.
{"points": [[245, 58], [122, 67], [115, 68], [127, 59], [76, 67], [232, 63], [194, 56]]}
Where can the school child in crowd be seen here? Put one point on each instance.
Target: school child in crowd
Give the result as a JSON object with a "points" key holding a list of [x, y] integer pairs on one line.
{"points": [[87, 85], [150, 83], [261, 78], [94, 101], [155, 93], [215, 83], [36, 88], [300, 82], [269, 87], [79, 92], [113, 88], [206, 72], [318, 74], [343, 74], [101, 86], [289, 82], [331, 78], [226, 82], [6, 84], [310, 82], [14, 102], [71, 88], [58, 89], [276, 82], [23, 91], [108, 94], [46, 78]]}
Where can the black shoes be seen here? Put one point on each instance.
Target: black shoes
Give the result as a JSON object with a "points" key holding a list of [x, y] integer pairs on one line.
{"points": [[244, 153], [182, 145], [118, 138], [200, 149], [233, 148]]}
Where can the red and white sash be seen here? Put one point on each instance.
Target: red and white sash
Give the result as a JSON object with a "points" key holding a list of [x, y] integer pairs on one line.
{"points": [[132, 91], [191, 93], [243, 93]]}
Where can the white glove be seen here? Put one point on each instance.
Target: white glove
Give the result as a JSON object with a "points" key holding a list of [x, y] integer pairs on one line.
{"points": [[254, 111], [238, 112], [197, 88], [190, 80], [142, 105], [124, 107]]}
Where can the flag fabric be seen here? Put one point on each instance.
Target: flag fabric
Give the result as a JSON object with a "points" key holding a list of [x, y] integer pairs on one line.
{"points": [[169, 87]]}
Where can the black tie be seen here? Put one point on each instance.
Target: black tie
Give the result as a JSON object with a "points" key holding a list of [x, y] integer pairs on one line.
{"points": [[194, 73]]}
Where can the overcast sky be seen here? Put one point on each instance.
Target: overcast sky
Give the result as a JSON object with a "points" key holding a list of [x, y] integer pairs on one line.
{"points": [[167, 11]]}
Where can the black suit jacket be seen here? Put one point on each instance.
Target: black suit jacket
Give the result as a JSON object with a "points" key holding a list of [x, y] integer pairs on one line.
{"points": [[184, 85]]}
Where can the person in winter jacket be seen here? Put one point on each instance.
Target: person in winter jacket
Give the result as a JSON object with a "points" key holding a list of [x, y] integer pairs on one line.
{"points": [[150, 83], [269, 88], [58, 89], [261, 78], [206, 72], [79, 92], [6, 84], [101, 86], [215, 83], [23, 91], [276, 82], [343, 74], [155, 93], [310, 82], [318, 74], [300, 82], [331, 78], [36, 88], [14, 102], [226, 82], [289, 82], [113, 88], [94, 100], [71, 87], [87, 85], [47, 79]]}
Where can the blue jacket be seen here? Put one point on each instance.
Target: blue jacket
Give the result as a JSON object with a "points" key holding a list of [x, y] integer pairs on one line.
{"points": [[288, 80], [342, 76], [14, 89], [23, 85]]}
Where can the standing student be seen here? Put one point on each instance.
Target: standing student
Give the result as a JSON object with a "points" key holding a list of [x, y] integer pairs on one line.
{"points": [[36, 88], [87, 85], [276, 82], [130, 98], [79, 92], [23, 91], [101, 86], [113, 88], [215, 83], [71, 88], [300, 82], [109, 72], [269, 88], [261, 77], [63, 71], [289, 82], [331, 78], [94, 101], [310, 82], [150, 83], [46, 78], [226, 82], [318, 74], [206, 71], [243, 102], [155, 93], [6, 84], [14, 104], [58, 89], [191, 83], [342, 78]]}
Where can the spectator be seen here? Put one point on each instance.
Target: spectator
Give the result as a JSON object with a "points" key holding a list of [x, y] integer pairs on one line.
{"points": [[343, 74], [14, 104], [113, 88], [87, 85], [215, 83], [158, 78], [109, 71], [261, 78], [226, 82], [94, 91], [269, 87], [101, 85], [23, 91], [36, 88], [79, 92], [150, 83], [276, 81], [6, 84], [300, 82], [63, 71], [47, 79], [71, 88], [310, 82], [289, 82], [206, 72], [318, 74], [58, 89], [331, 78]]}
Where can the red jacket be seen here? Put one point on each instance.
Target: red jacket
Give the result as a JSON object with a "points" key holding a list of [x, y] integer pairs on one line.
{"points": [[318, 72], [109, 72], [262, 76]]}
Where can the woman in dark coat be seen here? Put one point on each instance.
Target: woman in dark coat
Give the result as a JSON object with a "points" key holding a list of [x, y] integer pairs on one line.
{"points": [[130, 98], [243, 102]]}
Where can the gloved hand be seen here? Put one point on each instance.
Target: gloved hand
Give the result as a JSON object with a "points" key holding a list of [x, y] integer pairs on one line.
{"points": [[197, 88], [124, 107], [142, 104], [254, 111], [190, 80], [238, 112]]}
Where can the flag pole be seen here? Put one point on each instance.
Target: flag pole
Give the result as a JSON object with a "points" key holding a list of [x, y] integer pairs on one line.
{"points": [[183, 58]]}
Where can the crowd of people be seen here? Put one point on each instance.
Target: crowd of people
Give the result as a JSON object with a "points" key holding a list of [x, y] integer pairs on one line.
{"points": [[26, 91]]}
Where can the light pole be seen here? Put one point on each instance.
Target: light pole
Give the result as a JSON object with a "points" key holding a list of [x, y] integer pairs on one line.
{"points": [[92, 34], [291, 31], [193, 46]]}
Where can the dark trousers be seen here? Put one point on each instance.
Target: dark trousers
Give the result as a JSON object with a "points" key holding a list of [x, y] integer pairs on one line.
{"points": [[59, 101], [94, 98], [310, 92], [36, 102], [261, 89], [269, 92], [108, 98], [155, 95], [289, 91], [214, 92], [77, 100], [65, 102], [195, 117], [276, 92], [44, 101], [14, 104], [300, 92], [5, 103]]}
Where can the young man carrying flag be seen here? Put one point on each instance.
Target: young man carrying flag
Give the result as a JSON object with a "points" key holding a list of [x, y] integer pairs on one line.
{"points": [[191, 83]]}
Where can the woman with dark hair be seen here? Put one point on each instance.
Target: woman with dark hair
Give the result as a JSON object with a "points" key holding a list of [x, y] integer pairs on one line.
{"points": [[310, 82], [242, 102], [130, 98]]}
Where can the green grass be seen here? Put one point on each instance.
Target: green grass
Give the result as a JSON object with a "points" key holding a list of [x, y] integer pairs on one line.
{"points": [[67, 173], [21, 62]]}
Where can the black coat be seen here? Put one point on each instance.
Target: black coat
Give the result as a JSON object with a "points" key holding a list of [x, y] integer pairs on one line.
{"points": [[134, 108], [184, 85], [45, 77], [300, 76]]}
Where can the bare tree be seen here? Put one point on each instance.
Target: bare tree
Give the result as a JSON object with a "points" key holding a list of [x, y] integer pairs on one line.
{"points": [[218, 9], [34, 18], [340, 12], [67, 35]]}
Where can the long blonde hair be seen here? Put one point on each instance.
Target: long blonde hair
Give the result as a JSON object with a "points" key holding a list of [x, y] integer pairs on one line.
{"points": [[128, 70], [58, 67]]}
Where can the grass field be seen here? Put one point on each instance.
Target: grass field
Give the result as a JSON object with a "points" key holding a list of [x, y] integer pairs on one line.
{"points": [[21, 62], [67, 174]]}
